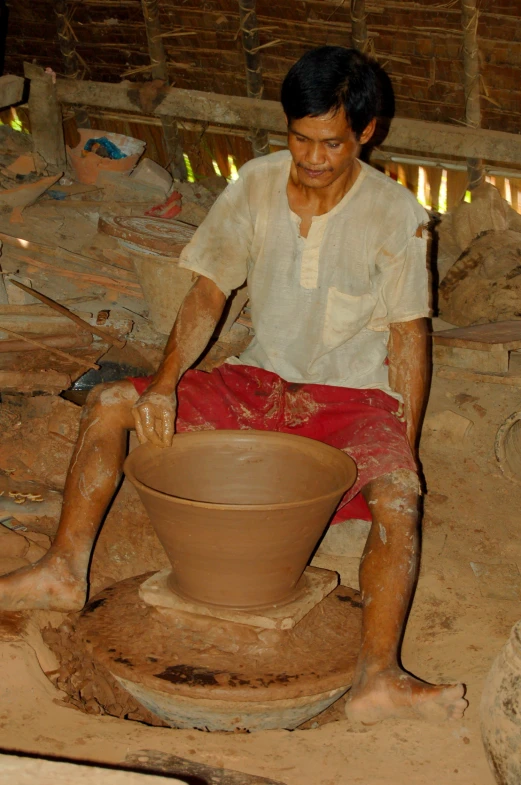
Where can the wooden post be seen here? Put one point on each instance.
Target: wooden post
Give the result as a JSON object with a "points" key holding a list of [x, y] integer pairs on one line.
{"points": [[46, 118], [359, 37], [159, 70], [254, 82], [73, 65], [470, 15]]}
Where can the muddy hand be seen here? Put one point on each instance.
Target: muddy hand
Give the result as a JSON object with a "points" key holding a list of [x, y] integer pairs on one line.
{"points": [[154, 417]]}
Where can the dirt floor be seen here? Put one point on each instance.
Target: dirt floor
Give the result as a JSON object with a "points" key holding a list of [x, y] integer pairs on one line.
{"points": [[458, 624]]}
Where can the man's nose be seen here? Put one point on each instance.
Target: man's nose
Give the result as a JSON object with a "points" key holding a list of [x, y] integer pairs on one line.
{"points": [[315, 154]]}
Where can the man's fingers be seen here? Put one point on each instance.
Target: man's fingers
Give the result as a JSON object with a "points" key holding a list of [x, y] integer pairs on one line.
{"points": [[154, 422], [148, 421], [139, 429], [168, 428]]}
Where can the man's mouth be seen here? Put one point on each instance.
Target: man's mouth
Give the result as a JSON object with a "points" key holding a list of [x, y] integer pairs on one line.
{"points": [[314, 172]]}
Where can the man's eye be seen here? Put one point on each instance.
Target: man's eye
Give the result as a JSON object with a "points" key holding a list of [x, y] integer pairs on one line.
{"points": [[333, 145]]}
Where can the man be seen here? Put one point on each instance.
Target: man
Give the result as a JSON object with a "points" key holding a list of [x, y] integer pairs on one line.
{"points": [[334, 255]]}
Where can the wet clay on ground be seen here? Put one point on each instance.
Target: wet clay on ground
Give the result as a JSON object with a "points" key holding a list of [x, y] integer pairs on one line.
{"points": [[239, 528]]}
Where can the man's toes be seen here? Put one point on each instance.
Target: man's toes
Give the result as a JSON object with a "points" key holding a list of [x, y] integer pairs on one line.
{"points": [[458, 709]]}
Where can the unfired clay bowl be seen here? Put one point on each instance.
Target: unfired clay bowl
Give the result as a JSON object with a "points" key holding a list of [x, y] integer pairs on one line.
{"points": [[239, 512]]}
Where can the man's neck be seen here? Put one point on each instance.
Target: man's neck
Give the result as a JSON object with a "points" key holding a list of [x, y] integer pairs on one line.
{"points": [[321, 200]]}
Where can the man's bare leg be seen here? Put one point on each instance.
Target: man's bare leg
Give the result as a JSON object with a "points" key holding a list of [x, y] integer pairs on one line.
{"points": [[59, 580], [381, 689]]}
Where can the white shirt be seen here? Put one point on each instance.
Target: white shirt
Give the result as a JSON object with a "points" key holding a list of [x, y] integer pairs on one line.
{"points": [[321, 306]]}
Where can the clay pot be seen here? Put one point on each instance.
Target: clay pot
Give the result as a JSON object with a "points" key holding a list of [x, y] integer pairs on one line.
{"points": [[87, 165], [239, 512], [501, 712]]}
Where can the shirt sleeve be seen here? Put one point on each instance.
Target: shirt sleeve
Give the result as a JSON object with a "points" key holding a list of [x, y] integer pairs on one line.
{"points": [[220, 248], [403, 291]]}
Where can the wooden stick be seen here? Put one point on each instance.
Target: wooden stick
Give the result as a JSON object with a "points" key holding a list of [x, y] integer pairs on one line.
{"points": [[51, 349], [69, 314], [359, 37], [159, 70], [471, 81], [254, 81]]}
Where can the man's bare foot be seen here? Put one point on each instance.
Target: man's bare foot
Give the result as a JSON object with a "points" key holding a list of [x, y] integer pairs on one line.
{"points": [[48, 584], [395, 694]]}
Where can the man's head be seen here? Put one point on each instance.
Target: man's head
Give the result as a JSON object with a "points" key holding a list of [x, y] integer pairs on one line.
{"points": [[328, 80], [330, 98]]}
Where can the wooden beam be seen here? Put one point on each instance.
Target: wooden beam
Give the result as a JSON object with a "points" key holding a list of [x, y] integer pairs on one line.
{"points": [[254, 82], [413, 135], [11, 90], [359, 38], [471, 82], [46, 118], [159, 70]]}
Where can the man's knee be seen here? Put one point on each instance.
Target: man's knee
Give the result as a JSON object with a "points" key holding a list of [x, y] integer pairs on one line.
{"points": [[110, 399], [396, 493]]}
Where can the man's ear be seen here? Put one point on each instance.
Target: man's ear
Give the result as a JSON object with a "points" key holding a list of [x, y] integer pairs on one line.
{"points": [[286, 118], [368, 131]]}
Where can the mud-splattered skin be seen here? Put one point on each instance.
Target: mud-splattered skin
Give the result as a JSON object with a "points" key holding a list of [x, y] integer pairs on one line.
{"points": [[409, 371], [389, 566], [154, 413], [59, 580]]}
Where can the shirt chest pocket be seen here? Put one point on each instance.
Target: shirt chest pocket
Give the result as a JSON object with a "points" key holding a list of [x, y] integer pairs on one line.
{"points": [[346, 315]]}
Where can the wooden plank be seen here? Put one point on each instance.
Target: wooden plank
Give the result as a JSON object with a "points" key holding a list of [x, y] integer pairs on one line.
{"points": [[459, 374], [11, 90], [506, 335], [74, 340], [86, 263], [36, 324], [51, 382], [405, 134], [472, 359], [59, 308]]}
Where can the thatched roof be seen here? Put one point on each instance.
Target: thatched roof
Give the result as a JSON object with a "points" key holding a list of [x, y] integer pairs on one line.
{"points": [[420, 44]]}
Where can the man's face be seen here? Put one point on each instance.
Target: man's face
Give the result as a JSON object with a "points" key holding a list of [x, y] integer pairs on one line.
{"points": [[324, 148]]}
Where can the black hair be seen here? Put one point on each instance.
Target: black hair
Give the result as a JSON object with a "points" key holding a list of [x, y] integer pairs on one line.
{"points": [[329, 78]]}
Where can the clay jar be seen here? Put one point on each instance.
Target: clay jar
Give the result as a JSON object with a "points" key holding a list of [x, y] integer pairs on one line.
{"points": [[501, 712], [239, 512]]}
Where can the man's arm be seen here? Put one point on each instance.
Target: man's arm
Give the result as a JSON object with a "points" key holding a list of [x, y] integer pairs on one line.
{"points": [[154, 413], [409, 371]]}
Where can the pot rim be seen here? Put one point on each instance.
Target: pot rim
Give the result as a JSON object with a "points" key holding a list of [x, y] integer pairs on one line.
{"points": [[340, 489]]}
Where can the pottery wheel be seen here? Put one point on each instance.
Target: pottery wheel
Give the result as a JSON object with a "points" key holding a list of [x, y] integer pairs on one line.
{"points": [[163, 235], [200, 657]]}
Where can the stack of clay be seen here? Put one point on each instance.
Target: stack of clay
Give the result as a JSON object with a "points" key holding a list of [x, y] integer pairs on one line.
{"points": [[479, 260]]}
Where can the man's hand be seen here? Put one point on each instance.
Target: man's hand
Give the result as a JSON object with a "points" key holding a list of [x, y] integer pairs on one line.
{"points": [[154, 416]]}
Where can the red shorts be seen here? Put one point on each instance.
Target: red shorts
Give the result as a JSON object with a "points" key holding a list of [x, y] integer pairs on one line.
{"points": [[367, 424]]}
